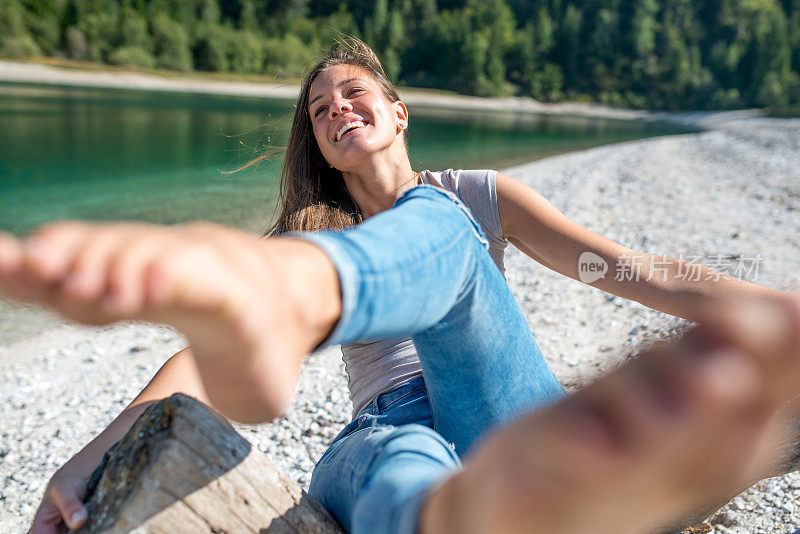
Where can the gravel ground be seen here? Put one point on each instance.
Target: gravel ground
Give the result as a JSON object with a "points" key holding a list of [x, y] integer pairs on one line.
{"points": [[730, 192]]}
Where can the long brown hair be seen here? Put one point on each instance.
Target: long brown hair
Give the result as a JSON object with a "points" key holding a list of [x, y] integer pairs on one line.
{"points": [[312, 194]]}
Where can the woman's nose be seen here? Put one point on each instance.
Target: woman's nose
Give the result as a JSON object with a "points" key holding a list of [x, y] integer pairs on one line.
{"points": [[340, 106]]}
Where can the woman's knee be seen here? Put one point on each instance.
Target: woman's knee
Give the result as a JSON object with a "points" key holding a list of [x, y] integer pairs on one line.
{"points": [[415, 443]]}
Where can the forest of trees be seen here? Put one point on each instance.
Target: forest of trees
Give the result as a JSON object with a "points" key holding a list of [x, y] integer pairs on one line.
{"points": [[657, 54]]}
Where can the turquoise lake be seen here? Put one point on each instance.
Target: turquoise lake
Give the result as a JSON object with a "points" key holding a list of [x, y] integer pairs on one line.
{"points": [[102, 154]]}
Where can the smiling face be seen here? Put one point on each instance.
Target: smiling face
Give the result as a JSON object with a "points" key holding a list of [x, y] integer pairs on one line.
{"points": [[352, 118]]}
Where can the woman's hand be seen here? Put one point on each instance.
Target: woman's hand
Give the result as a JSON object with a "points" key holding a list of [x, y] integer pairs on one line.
{"points": [[62, 505]]}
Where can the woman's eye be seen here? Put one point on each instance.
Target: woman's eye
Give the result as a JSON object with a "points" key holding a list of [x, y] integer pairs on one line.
{"points": [[349, 93]]}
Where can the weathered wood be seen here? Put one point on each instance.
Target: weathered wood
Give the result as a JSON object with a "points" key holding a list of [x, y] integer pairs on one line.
{"points": [[182, 468]]}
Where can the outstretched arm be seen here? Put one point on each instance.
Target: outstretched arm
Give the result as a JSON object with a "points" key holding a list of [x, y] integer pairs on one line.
{"points": [[532, 224]]}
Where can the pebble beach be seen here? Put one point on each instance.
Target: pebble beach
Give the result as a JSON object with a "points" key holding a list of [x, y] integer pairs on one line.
{"points": [[726, 197]]}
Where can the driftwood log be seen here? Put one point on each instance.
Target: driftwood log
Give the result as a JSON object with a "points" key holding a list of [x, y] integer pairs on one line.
{"points": [[183, 468]]}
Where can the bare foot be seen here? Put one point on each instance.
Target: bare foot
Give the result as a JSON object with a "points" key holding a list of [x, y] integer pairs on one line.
{"points": [[678, 428], [249, 318]]}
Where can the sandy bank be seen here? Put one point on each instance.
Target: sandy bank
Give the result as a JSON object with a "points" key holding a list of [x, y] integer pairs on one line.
{"points": [[120, 79]]}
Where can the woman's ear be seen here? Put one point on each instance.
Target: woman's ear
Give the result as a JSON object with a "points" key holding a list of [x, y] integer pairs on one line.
{"points": [[402, 114]]}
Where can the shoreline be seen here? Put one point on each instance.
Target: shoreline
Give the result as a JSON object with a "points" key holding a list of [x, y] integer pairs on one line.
{"points": [[43, 74]]}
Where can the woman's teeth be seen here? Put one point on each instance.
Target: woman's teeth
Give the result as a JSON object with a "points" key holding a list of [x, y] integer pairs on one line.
{"points": [[346, 126]]}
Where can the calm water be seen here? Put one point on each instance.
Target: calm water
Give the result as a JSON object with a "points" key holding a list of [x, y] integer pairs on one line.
{"points": [[101, 154]]}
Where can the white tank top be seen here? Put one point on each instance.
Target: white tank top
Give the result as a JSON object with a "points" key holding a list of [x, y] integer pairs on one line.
{"points": [[380, 366]]}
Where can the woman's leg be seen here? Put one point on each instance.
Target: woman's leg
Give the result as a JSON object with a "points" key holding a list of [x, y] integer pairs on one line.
{"points": [[481, 364], [422, 268], [377, 477], [378, 469]]}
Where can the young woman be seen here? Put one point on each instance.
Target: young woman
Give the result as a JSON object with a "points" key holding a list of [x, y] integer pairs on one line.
{"points": [[420, 270]]}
